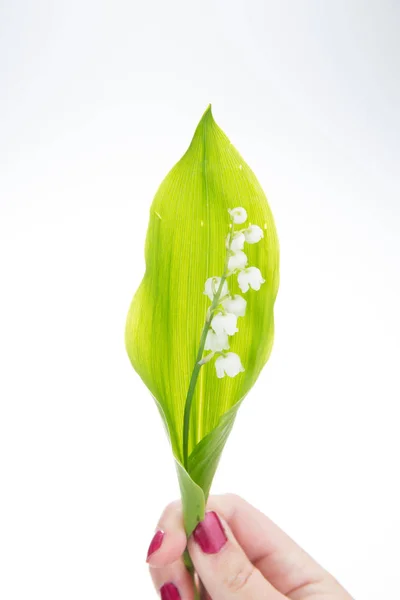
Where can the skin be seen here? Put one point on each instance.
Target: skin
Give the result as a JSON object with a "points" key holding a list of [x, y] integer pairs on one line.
{"points": [[258, 562]]}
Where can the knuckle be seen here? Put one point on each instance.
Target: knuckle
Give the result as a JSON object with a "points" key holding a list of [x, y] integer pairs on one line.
{"points": [[233, 499], [171, 508], [239, 577]]}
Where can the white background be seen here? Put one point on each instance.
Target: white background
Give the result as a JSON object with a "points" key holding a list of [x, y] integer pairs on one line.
{"points": [[98, 101]]}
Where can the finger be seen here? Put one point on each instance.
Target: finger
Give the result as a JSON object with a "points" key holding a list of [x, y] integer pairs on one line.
{"points": [[223, 567], [282, 562], [169, 540], [173, 582]]}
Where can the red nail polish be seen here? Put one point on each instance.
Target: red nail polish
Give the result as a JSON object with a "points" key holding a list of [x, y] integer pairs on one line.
{"points": [[209, 534], [155, 543], [169, 592]]}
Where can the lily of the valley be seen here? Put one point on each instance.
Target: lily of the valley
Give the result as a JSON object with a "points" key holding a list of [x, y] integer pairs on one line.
{"points": [[212, 285], [238, 215], [216, 342], [228, 364], [237, 242], [226, 308], [250, 278], [224, 323], [253, 234], [238, 260], [235, 305]]}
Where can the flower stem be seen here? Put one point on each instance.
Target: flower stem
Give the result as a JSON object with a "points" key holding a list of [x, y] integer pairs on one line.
{"points": [[196, 371], [197, 366]]}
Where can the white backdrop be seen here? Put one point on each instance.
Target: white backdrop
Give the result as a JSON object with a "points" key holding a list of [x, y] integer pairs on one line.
{"points": [[98, 101]]}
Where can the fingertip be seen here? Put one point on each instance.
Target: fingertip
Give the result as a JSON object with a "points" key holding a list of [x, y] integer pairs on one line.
{"points": [[173, 582], [167, 547], [155, 543], [169, 541], [210, 533]]}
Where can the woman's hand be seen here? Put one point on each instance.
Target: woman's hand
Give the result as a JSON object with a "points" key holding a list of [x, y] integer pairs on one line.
{"points": [[239, 554]]}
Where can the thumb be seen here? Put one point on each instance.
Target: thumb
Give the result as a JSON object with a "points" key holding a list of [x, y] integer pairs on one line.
{"points": [[223, 567]]}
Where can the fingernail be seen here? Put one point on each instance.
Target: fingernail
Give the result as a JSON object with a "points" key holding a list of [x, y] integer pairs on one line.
{"points": [[155, 543], [169, 592], [209, 534]]}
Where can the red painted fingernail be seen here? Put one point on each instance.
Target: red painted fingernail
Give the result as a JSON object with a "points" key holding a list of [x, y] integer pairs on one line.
{"points": [[209, 534], [169, 592], [155, 543]]}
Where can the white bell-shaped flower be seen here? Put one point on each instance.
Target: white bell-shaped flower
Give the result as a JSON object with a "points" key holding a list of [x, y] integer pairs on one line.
{"points": [[235, 305], [237, 241], [250, 277], [237, 261], [215, 342], [224, 324], [212, 286], [229, 364], [253, 234], [238, 214]]}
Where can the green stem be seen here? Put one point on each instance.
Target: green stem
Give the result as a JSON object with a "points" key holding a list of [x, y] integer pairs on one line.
{"points": [[190, 567], [196, 372], [197, 366], [196, 593]]}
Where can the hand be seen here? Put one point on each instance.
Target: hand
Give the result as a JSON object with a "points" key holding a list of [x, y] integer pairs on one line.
{"points": [[238, 554]]}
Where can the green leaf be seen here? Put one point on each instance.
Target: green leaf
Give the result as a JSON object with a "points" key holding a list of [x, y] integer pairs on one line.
{"points": [[193, 500], [185, 245], [203, 461]]}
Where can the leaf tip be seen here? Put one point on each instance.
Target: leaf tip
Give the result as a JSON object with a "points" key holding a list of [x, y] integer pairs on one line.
{"points": [[206, 123], [207, 114]]}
